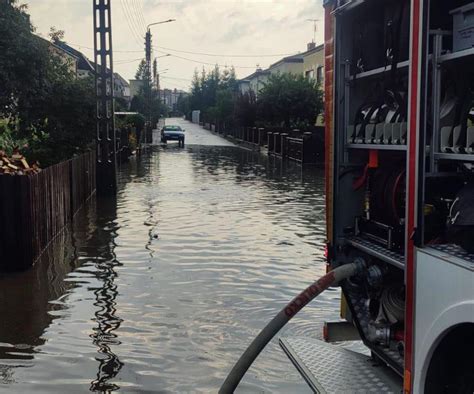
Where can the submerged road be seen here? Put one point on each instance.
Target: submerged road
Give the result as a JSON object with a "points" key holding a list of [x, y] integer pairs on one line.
{"points": [[162, 288]]}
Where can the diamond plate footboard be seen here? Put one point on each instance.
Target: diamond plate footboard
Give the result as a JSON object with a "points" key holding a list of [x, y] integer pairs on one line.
{"points": [[333, 369]]}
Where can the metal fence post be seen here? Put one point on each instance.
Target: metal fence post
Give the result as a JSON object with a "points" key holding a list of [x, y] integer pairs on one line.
{"points": [[284, 144], [261, 134], [270, 142], [276, 143], [305, 154]]}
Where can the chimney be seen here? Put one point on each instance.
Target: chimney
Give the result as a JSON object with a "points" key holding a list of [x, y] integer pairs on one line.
{"points": [[311, 45]]}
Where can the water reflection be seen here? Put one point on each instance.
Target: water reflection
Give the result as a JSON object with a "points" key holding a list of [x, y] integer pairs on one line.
{"points": [[26, 306], [104, 336], [162, 289]]}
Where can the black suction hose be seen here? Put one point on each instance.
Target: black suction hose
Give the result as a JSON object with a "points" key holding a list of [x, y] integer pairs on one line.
{"points": [[283, 317]]}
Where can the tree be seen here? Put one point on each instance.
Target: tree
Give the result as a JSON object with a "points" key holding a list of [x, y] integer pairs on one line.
{"points": [[25, 64], [213, 93], [141, 73], [56, 35], [184, 106], [246, 109], [147, 102], [68, 122], [290, 100], [43, 105], [225, 106]]}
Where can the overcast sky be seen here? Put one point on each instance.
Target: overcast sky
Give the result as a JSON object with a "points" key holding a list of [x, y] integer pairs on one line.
{"points": [[225, 28]]}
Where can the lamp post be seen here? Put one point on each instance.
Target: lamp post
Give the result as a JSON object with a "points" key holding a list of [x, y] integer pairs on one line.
{"points": [[148, 66]]}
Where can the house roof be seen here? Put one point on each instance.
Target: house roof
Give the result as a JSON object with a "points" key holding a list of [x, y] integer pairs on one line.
{"points": [[255, 74], [122, 80], [55, 45], [298, 58], [83, 63], [314, 50], [289, 59]]}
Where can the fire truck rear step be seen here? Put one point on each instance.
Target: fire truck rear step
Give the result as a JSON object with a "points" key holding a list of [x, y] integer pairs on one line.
{"points": [[333, 369]]}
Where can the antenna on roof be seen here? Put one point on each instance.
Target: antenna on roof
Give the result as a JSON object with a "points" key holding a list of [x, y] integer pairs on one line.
{"points": [[315, 27]]}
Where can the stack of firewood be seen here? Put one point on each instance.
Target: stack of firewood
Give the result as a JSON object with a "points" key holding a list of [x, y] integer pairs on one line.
{"points": [[16, 164]]}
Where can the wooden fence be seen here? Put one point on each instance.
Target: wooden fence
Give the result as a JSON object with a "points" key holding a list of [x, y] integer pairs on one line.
{"points": [[34, 209]]}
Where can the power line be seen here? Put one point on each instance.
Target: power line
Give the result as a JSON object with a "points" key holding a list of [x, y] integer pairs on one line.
{"points": [[129, 19], [207, 63], [134, 11], [132, 14], [139, 5], [223, 54], [115, 51], [194, 53], [119, 62], [179, 79]]}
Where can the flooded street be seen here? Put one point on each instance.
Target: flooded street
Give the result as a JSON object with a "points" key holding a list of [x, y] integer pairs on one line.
{"points": [[162, 289]]}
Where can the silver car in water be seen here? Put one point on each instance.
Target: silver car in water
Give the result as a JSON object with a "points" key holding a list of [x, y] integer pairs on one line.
{"points": [[172, 133]]}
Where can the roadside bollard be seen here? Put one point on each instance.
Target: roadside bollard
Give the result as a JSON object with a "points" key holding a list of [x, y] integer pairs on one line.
{"points": [[270, 142], [276, 143], [305, 150], [261, 135], [284, 144], [254, 135]]}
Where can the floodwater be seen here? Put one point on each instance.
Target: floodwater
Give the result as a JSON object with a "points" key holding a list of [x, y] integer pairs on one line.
{"points": [[162, 289]]}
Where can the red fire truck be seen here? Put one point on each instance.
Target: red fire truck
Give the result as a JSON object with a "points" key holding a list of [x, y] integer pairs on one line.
{"points": [[400, 197], [399, 97]]}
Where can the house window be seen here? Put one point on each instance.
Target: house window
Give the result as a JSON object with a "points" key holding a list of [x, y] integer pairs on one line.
{"points": [[320, 74], [309, 74]]}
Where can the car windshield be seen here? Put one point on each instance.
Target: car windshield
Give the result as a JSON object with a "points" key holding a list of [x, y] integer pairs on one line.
{"points": [[172, 128]]}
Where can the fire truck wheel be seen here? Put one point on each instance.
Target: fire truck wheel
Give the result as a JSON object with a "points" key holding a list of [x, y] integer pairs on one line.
{"points": [[451, 367]]}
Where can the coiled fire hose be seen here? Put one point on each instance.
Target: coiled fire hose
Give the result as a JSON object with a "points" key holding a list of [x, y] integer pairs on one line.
{"points": [[283, 317]]}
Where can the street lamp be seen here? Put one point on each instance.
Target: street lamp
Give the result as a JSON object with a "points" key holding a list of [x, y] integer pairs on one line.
{"points": [[148, 45], [148, 63], [159, 23]]}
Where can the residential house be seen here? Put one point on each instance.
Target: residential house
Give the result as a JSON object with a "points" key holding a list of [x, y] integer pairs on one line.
{"points": [[85, 67], [67, 58], [170, 97], [309, 63], [254, 82], [135, 86], [121, 88], [313, 62], [288, 65]]}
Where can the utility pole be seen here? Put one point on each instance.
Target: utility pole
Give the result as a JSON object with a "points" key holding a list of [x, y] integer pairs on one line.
{"points": [[158, 87], [104, 82], [155, 71], [148, 82], [148, 78]]}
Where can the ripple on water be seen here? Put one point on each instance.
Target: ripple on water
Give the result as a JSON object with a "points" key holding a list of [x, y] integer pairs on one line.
{"points": [[238, 236]]}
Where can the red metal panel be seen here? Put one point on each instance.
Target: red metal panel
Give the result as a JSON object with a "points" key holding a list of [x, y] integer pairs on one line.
{"points": [[412, 184], [329, 115]]}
